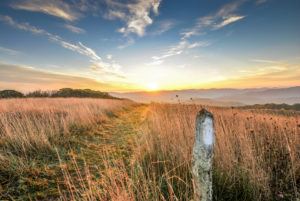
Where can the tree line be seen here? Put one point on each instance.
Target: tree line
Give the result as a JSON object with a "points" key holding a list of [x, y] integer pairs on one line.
{"points": [[64, 92], [274, 106]]}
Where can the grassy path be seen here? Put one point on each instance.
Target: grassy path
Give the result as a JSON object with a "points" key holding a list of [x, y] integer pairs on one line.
{"points": [[87, 147], [113, 137], [108, 142]]}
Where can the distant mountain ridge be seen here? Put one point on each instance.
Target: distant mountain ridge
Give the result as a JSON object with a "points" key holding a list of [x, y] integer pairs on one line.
{"points": [[221, 97]]}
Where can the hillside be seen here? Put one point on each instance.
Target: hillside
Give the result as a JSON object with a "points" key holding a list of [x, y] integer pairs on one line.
{"points": [[234, 97], [294, 107]]}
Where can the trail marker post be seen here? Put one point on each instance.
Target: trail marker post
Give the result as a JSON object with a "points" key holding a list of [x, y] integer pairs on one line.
{"points": [[203, 156]]}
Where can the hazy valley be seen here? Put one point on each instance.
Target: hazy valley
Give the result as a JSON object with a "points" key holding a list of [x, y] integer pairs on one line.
{"points": [[220, 97]]}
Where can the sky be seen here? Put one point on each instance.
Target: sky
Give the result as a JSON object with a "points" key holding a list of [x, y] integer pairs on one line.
{"points": [[138, 45]]}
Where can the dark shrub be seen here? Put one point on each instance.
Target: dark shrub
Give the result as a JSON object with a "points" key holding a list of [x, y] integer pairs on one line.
{"points": [[10, 94], [39, 93], [68, 92]]}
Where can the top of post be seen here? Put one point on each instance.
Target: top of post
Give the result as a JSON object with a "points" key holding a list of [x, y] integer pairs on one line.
{"points": [[204, 113], [205, 128]]}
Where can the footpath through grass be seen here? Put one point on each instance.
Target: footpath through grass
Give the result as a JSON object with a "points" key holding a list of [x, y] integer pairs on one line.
{"points": [[71, 171], [112, 139]]}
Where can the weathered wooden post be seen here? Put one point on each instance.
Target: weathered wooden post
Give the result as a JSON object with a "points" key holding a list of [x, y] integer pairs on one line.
{"points": [[203, 156]]}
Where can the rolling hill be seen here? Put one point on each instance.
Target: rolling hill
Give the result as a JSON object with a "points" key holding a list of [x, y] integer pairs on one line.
{"points": [[221, 97]]}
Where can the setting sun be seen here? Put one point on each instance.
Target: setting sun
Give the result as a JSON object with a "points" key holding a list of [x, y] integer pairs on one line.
{"points": [[152, 86]]}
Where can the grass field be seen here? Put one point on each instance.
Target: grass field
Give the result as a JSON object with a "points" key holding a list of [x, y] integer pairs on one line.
{"points": [[256, 154], [93, 149]]}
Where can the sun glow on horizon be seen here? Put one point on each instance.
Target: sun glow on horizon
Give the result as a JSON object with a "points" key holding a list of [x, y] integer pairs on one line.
{"points": [[153, 86]]}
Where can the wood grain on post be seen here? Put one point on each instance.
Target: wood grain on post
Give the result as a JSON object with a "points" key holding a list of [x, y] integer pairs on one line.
{"points": [[203, 156]]}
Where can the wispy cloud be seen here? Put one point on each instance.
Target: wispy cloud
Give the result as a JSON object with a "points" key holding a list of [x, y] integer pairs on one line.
{"points": [[55, 8], [177, 49], [129, 41], [8, 51], [163, 26], [258, 2], [95, 59], [74, 29], [97, 63], [266, 66], [264, 70], [224, 16], [137, 15], [23, 26], [283, 74], [156, 62], [66, 10], [109, 56], [267, 61], [100, 68], [228, 20], [23, 78]]}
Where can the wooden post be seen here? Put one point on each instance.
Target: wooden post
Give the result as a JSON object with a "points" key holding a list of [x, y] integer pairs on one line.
{"points": [[203, 156]]}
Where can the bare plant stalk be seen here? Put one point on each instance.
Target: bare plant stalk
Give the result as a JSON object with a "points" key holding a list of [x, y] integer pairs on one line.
{"points": [[202, 156]]}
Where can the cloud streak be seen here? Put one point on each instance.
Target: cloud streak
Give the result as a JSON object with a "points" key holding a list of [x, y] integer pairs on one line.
{"points": [[228, 20], [179, 49], [55, 8], [74, 29], [224, 16], [162, 27], [104, 67], [8, 51], [23, 26], [66, 10], [278, 75], [24, 78], [267, 61]]}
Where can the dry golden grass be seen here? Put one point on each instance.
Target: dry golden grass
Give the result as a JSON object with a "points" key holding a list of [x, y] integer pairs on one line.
{"points": [[143, 153], [32, 131], [38, 124], [256, 154], [256, 157]]}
